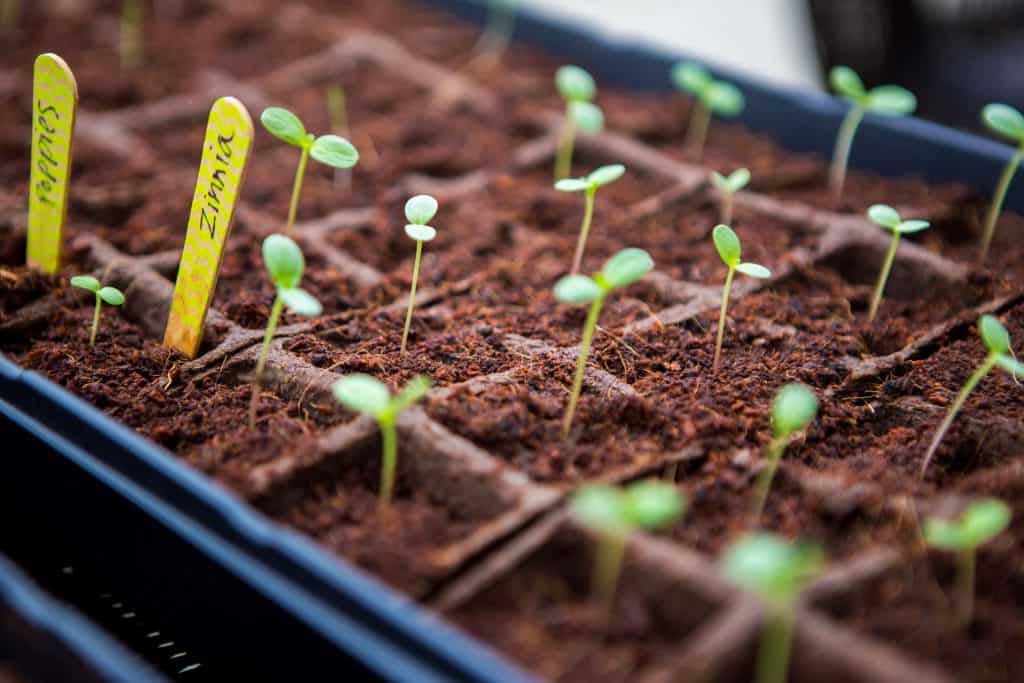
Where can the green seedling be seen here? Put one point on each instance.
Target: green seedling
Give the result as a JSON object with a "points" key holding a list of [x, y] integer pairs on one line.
{"points": [[337, 114], [891, 100], [501, 20], [888, 218], [419, 211], [776, 571], [727, 187], [615, 513], [1007, 121], [110, 295], [364, 394], [710, 97], [285, 264], [794, 407], [588, 185], [577, 88], [621, 270], [980, 522], [331, 150], [997, 341], [131, 34], [728, 246]]}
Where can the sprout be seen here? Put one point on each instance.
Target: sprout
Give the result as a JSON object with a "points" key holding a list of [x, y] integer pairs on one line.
{"points": [[621, 270], [775, 570], [728, 246], [589, 185], [110, 295], [980, 522], [418, 211], [728, 186], [884, 99], [337, 114], [615, 513], [712, 97], [285, 263], [131, 34], [577, 88], [1005, 120], [501, 20], [327, 149], [364, 394], [888, 218], [997, 341], [794, 407]]}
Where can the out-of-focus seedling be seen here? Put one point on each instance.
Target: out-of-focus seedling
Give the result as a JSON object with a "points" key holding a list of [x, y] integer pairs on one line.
{"points": [[711, 97], [727, 187], [776, 571], [891, 100], [1007, 121], [888, 218], [331, 150], [728, 246], [364, 394], [419, 211], [131, 44], [337, 114], [285, 264], [10, 11], [982, 521], [577, 88], [501, 20], [997, 341], [794, 407], [615, 513], [110, 295], [621, 270], [589, 186]]}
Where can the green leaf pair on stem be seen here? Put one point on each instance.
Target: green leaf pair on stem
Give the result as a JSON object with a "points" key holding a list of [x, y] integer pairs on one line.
{"points": [[727, 187], [728, 246], [589, 186], [419, 211], [888, 218], [1007, 121], [621, 270], [711, 97], [364, 394], [110, 295], [794, 407], [578, 89]]}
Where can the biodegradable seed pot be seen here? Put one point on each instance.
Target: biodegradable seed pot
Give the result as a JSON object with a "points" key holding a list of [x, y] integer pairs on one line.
{"points": [[476, 525]]}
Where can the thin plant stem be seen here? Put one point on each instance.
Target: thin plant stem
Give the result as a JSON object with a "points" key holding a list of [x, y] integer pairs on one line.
{"points": [[95, 320], [965, 562], [725, 213], [389, 458], [883, 276], [697, 131], [261, 362], [412, 294], [611, 550], [563, 161], [841, 153], [581, 363], [337, 112], [775, 646], [588, 214], [9, 12], [297, 190], [721, 319], [131, 34], [764, 480], [996, 207], [972, 382]]}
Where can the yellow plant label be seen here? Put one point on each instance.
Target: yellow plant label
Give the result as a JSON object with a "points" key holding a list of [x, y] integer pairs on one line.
{"points": [[221, 171], [54, 101]]}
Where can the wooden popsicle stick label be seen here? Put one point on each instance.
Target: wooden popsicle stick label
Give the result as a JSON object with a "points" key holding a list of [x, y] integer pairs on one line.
{"points": [[54, 101], [226, 150]]}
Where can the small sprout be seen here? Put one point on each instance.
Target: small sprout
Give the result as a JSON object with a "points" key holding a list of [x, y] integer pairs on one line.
{"points": [[330, 150], [285, 264], [588, 185], [997, 341], [794, 407], [727, 187], [728, 246], [621, 270], [711, 97], [1007, 121], [891, 100], [364, 394], [110, 295], [577, 88], [501, 20], [776, 571], [615, 513], [337, 114], [419, 211], [888, 218], [980, 522], [131, 44]]}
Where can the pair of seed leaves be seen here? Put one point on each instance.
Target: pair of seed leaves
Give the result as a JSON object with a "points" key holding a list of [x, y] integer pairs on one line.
{"points": [[979, 523], [772, 567], [721, 97], [364, 394], [1005, 120], [997, 341], [577, 87], [285, 263], [621, 270], [883, 99], [643, 505], [728, 246], [888, 218], [419, 211], [331, 150], [794, 407], [597, 178], [109, 295], [732, 183]]}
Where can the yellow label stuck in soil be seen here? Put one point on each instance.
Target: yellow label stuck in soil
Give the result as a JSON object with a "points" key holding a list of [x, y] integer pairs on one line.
{"points": [[221, 171], [54, 100]]}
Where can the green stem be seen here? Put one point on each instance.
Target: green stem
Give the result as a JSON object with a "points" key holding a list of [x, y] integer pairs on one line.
{"points": [[764, 480], [412, 294], [389, 458], [841, 153], [581, 363], [726, 209], [721, 319], [297, 190], [275, 315], [9, 12], [965, 585], [95, 320], [588, 214], [972, 382], [774, 648], [697, 131], [883, 276], [131, 34], [563, 162], [611, 550], [997, 202]]}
